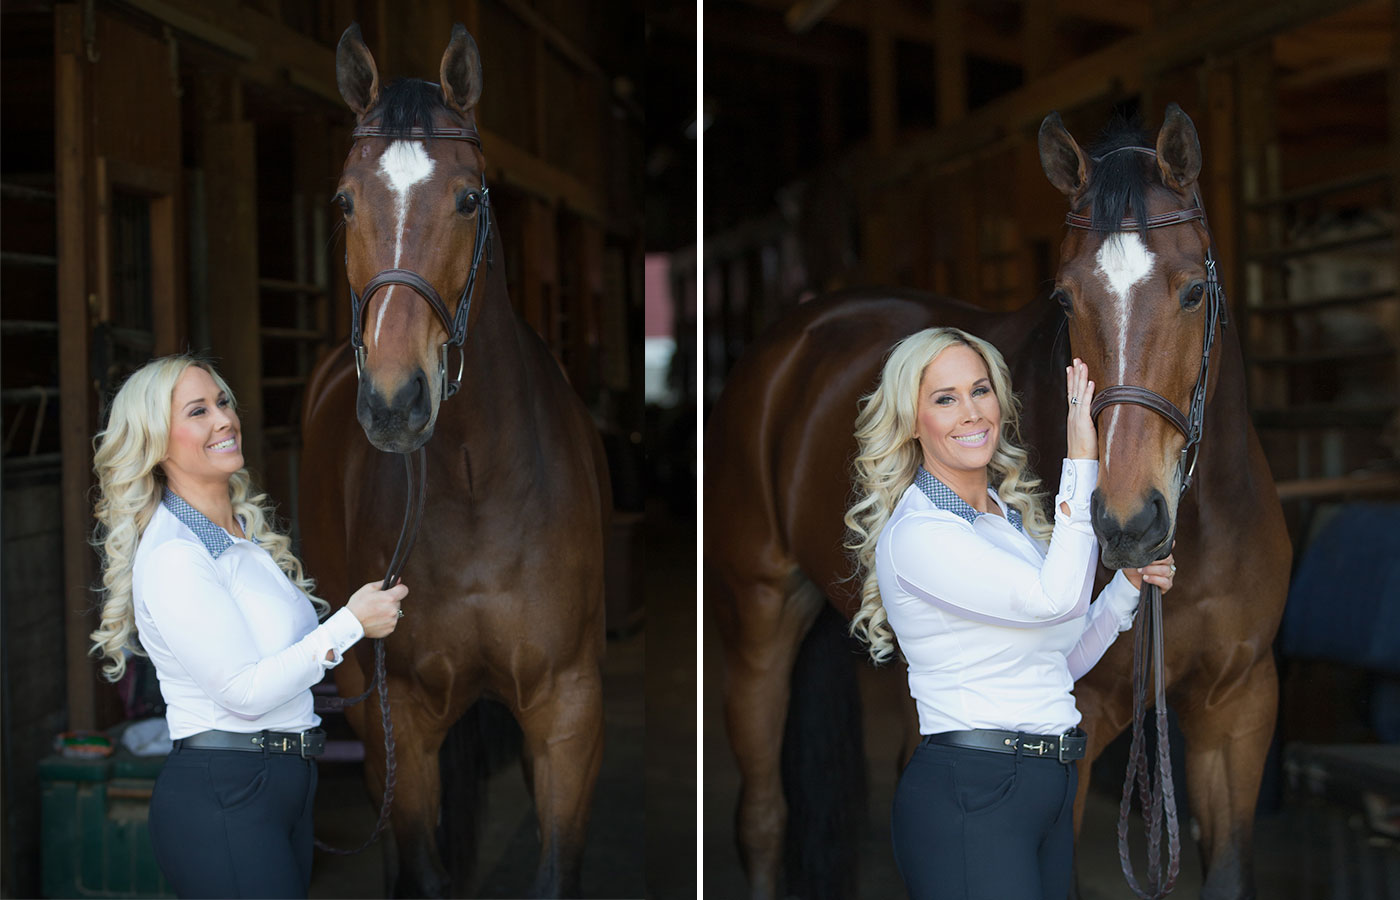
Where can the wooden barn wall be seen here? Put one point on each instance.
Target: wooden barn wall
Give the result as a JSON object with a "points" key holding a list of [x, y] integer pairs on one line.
{"points": [[168, 168]]}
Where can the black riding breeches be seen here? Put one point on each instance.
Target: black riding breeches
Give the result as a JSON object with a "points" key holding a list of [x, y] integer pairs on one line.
{"points": [[227, 823], [978, 825]]}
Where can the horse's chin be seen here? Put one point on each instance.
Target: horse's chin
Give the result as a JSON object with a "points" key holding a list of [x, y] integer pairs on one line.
{"points": [[392, 440], [1131, 555]]}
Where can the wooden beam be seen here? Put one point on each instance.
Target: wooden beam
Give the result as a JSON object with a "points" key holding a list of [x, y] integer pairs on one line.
{"points": [[72, 181], [286, 57], [1116, 70]]}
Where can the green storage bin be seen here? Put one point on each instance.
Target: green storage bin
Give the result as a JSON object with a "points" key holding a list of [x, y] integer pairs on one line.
{"points": [[95, 842]]}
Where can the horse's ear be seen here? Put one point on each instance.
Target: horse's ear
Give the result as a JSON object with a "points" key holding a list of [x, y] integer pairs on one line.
{"points": [[1178, 149], [1061, 158], [461, 71], [355, 73]]}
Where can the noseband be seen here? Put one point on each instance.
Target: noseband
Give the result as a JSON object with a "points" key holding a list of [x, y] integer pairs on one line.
{"points": [[1192, 423], [455, 324]]}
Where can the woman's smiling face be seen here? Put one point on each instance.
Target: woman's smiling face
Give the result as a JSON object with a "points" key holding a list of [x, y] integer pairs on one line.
{"points": [[959, 415], [205, 440]]}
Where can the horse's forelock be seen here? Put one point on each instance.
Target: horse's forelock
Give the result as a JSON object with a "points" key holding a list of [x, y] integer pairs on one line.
{"points": [[1118, 182], [405, 103]]}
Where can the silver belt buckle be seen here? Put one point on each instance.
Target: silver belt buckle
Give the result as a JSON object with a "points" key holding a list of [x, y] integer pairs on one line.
{"points": [[1064, 741], [312, 741], [1039, 747]]}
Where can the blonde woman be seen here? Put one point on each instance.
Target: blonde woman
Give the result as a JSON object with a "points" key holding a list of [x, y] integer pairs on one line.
{"points": [[195, 577], [990, 606]]}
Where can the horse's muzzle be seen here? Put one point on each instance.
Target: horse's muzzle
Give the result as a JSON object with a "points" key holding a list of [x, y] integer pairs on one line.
{"points": [[1139, 540], [398, 424]]}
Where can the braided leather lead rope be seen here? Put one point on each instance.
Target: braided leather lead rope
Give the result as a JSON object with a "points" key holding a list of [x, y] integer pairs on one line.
{"points": [[408, 533], [1158, 802]]}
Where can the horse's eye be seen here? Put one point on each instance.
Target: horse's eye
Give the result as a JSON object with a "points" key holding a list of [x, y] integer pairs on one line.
{"points": [[467, 202], [344, 202], [1062, 297], [1192, 294]]}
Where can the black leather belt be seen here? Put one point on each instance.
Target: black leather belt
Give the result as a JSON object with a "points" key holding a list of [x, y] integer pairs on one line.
{"points": [[305, 744], [1066, 747]]}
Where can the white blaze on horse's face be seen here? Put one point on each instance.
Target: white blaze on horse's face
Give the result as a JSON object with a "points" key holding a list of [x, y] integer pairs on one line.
{"points": [[403, 166], [1123, 262]]}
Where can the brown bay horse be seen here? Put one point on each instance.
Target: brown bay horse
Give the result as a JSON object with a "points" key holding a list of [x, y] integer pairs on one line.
{"points": [[778, 448], [507, 574]]}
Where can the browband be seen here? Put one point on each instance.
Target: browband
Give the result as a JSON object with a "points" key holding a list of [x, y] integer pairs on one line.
{"points": [[1175, 217], [418, 133]]}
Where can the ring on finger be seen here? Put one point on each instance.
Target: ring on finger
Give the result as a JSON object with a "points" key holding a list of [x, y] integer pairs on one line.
{"points": [[1073, 401], [400, 613], [1173, 568]]}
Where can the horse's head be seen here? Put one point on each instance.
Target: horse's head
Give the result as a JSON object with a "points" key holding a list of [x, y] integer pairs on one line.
{"points": [[416, 223], [1138, 285]]}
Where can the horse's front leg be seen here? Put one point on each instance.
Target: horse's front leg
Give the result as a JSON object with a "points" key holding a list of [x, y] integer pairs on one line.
{"points": [[563, 745], [1228, 730], [417, 789]]}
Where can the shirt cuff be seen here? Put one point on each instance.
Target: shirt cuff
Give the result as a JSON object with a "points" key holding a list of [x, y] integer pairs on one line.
{"points": [[1078, 478], [344, 630], [1122, 599]]}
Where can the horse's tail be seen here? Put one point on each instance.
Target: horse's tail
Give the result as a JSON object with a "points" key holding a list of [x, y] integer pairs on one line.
{"points": [[481, 743], [824, 762]]}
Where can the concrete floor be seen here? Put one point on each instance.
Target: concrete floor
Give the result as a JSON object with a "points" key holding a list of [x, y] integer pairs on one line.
{"points": [[883, 692], [641, 838]]}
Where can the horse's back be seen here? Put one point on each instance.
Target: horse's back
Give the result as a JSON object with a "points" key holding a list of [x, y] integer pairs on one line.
{"points": [[779, 441]]}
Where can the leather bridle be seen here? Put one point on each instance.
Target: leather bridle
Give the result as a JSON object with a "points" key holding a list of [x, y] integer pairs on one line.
{"points": [[1158, 801], [455, 324]]}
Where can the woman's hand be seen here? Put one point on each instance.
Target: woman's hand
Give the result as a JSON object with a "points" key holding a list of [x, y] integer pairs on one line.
{"points": [[1082, 437], [378, 611], [1160, 573]]}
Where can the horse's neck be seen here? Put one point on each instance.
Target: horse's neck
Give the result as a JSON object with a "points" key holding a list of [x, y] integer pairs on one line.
{"points": [[491, 417]]}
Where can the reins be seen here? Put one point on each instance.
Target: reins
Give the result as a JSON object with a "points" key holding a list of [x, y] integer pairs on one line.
{"points": [[1157, 797], [416, 462]]}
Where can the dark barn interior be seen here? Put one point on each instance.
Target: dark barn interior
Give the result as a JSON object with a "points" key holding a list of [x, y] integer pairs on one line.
{"points": [[893, 143], [166, 178]]}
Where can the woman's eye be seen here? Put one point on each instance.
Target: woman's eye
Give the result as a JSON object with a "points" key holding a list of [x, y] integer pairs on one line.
{"points": [[944, 400], [980, 391]]}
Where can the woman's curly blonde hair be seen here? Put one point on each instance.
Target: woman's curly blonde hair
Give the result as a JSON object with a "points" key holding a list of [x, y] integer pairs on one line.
{"points": [[888, 456], [130, 485]]}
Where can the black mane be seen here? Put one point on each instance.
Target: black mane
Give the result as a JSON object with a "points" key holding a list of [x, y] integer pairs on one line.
{"points": [[408, 102], [1119, 182]]}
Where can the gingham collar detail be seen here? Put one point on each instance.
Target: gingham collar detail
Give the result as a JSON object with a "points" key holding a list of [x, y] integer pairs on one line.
{"points": [[944, 497], [214, 538]]}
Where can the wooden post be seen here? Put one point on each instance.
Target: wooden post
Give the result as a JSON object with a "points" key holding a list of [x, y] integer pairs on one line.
{"points": [[229, 153], [1259, 179], [1220, 182], [884, 103], [72, 158], [951, 62]]}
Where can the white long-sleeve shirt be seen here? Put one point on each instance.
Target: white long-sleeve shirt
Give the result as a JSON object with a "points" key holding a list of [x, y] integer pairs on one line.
{"points": [[235, 643], [996, 626]]}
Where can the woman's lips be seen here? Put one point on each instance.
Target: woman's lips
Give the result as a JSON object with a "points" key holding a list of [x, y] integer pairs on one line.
{"points": [[228, 445], [977, 439]]}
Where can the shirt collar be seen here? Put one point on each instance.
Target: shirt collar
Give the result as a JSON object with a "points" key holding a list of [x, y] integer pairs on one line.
{"points": [[945, 498], [214, 538]]}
